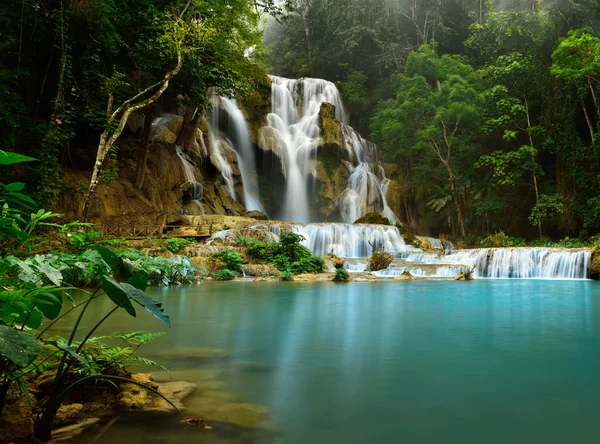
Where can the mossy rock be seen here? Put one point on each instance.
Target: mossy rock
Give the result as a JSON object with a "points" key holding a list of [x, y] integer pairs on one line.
{"points": [[257, 105], [408, 236], [595, 265], [331, 132], [373, 219]]}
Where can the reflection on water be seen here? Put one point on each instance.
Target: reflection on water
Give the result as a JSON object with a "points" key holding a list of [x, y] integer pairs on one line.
{"points": [[385, 362]]}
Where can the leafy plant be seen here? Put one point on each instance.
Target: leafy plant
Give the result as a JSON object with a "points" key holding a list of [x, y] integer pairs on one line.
{"points": [[287, 276], [175, 245], [224, 275], [500, 240], [227, 259], [341, 275]]}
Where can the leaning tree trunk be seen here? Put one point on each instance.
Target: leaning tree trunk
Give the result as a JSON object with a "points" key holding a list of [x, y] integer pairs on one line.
{"points": [[535, 181], [112, 133]]}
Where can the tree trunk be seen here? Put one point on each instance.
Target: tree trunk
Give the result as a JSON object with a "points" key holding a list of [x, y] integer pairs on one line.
{"points": [[535, 183], [143, 151], [308, 39], [588, 120], [111, 134]]}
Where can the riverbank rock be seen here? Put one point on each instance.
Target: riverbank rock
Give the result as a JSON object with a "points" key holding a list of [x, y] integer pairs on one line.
{"points": [[134, 397], [262, 270], [257, 215], [16, 423], [595, 265], [68, 414], [305, 278]]}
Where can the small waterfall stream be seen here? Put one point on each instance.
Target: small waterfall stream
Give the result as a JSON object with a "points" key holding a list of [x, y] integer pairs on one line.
{"points": [[217, 147], [196, 190], [242, 144]]}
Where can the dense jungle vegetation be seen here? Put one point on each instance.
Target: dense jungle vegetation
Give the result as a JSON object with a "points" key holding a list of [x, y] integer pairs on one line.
{"points": [[490, 108]]}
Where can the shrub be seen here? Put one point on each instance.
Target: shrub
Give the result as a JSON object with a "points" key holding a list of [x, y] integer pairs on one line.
{"points": [[175, 245], [287, 276], [286, 255], [379, 261], [227, 259], [306, 265], [224, 275], [500, 240], [341, 275], [373, 219], [290, 247]]}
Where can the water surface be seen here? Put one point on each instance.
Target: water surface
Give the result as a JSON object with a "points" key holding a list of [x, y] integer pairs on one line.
{"points": [[417, 362]]}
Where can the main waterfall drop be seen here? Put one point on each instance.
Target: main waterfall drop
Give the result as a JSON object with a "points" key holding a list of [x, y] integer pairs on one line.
{"points": [[295, 121]]}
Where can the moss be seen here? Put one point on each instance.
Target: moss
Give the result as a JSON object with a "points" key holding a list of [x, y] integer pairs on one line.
{"points": [[373, 219], [330, 127], [257, 105]]}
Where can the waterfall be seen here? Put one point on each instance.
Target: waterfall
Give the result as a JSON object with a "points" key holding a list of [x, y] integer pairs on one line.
{"points": [[525, 263], [242, 144], [366, 193], [295, 123], [351, 241], [196, 190], [294, 119], [218, 145]]}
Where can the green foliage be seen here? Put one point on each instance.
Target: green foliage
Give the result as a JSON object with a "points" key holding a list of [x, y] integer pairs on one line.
{"points": [[373, 218], [224, 275], [227, 259], [175, 245], [546, 208], [286, 255], [500, 239], [341, 275], [287, 276]]}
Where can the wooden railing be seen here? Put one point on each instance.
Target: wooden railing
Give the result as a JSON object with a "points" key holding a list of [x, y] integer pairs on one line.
{"points": [[143, 231]]}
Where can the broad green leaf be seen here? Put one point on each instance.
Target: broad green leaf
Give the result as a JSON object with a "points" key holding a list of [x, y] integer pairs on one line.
{"points": [[64, 347], [8, 158], [18, 346], [139, 280], [109, 257], [152, 306], [16, 186], [117, 293]]}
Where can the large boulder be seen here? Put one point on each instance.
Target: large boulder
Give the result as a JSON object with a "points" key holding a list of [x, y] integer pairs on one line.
{"points": [[16, 422]]}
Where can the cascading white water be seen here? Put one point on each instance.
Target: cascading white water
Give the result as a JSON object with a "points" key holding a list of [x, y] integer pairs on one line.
{"points": [[294, 119], [351, 241], [242, 144], [196, 189], [217, 147], [525, 263], [366, 193]]}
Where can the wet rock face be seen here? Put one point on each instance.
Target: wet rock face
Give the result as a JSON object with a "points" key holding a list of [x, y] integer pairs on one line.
{"points": [[16, 423], [595, 265]]}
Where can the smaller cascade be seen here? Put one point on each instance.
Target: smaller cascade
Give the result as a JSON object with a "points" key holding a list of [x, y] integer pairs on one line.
{"points": [[245, 152], [218, 144], [196, 190], [366, 193], [364, 150], [351, 241]]}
